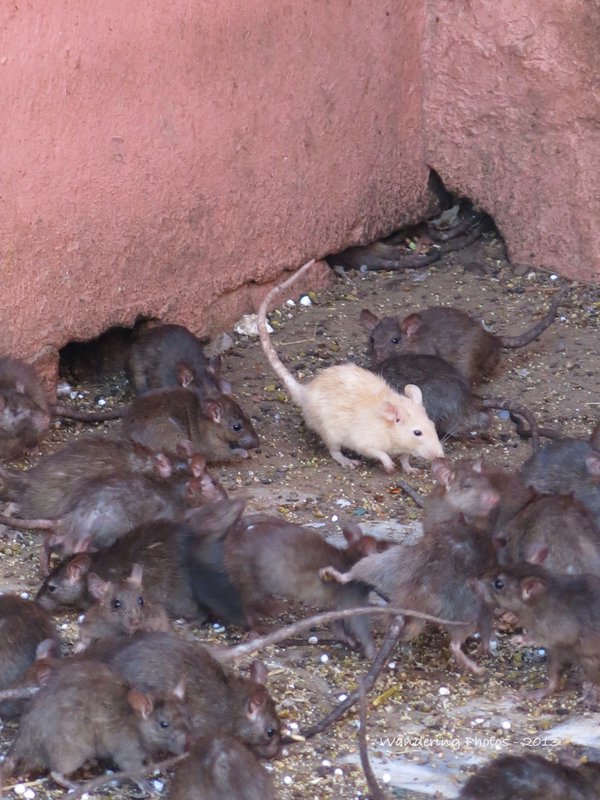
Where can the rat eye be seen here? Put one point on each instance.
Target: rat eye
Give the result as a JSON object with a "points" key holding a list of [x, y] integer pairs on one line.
{"points": [[164, 723], [418, 433], [116, 604], [395, 341], [270, 733], [237, 426], [141, 602], [498, 584], [51, 588]]}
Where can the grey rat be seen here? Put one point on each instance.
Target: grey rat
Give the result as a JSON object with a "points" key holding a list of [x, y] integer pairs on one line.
{"points": [[267, 557], [559, 612], [24, 626], [24, 410], [531, 777], [221, 767], [86, 711], [120, 607], [453, 335], [219, 701], [171, 355], [179, 573], [349, 407], [431, 577], [170, 419]]}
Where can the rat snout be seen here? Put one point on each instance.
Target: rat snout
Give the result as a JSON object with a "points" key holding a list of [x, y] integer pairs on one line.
{"points": [[490, 498], [249, 441]]}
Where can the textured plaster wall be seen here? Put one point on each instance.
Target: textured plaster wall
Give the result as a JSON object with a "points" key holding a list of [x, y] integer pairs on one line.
{"points": [[512, 109], [164, 158]]}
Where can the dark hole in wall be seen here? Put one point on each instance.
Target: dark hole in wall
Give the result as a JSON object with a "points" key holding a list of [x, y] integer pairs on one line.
{"points": [[101, 358], [457, 224]]}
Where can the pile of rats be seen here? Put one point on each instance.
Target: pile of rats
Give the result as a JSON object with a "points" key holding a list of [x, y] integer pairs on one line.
{"points": [[136, 533]]}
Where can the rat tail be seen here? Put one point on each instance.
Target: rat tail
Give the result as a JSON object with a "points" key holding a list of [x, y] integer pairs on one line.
{"points": [[524, 338], [293, 387]]}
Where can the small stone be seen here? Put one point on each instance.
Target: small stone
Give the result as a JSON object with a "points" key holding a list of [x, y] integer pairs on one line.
{"points": [[506, 726], [305, 300], [342, 697], [324, 658], [443, 691], [288, 780], [313, 640]]}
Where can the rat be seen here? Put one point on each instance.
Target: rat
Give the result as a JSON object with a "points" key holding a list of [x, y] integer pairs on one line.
{"points": [[102, 510], [171, 355], [170, 419], [453, 335], [86, 711], [350, 407], [180, 574], [267, 557], [431, 577], [24, 409], [218, 701], [531, 777], [120, 607], [43, 490], [24, 626], [559, 612], [100, 358], [221, 767], [553, 530]]}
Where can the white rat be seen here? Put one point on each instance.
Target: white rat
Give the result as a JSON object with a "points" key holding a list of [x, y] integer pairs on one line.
{"points": [[353, 408]]}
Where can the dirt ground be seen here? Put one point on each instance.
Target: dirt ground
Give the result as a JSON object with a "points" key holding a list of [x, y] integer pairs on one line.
{"points": [[428, 722]]}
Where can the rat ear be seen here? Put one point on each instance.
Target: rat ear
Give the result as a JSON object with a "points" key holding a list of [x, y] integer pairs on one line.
{"points": [[442, 472], [225, 387], [368, 320], [537, 554], [97, 587], [532, 588], [367, 545], [258, 672], [47, 649], [592, 463], [212, 409], [141, 703], [197, 465], [390, 413], [179, 691], [256, 703], [185, 374], [352, 532], [214, 366], [477, 465], [136, 575], [411, 324], [185, 448], [77, 567], [162, 465], [20, 387], [413, 393]]}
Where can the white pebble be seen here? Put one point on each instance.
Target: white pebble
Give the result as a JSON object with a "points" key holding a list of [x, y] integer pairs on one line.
{"points": [[29, 794], [444, 691], [313, 640], [337, 771], [335, 518], [290, 303], [19, 789], [288, 780], [506, 725], [493, 644], [305, 300], [325, 763], [386, 777], [324, 658], [64, 626], [217, 627], [392, 665], [80, 618], [343, 503], [73, 396], [294, 726], [342, 697], [563, 319], [24, 595], [158, 785], [478, 721], [542, 651], [553, 277], [101, 401]]}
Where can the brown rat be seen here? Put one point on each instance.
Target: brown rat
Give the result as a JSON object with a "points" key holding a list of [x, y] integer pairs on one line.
{"points": [[349, 407], [86, 711], [170, 419], [218, 701], [171, 355], [531, 777], [24, 411], [559, 465], [221, 767], [453, 335], [267, 557], [24, 626], [553, 530], [431, 577], [188, 583], [99, 358], [559, 612], [120, 608]]}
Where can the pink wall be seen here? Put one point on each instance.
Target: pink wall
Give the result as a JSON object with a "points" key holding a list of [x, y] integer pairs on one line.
{"points": [[512, 105], [158, 156]]}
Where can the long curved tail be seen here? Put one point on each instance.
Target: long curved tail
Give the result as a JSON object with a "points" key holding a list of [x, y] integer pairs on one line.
{"points": [[524, 338], [293, 387]]}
